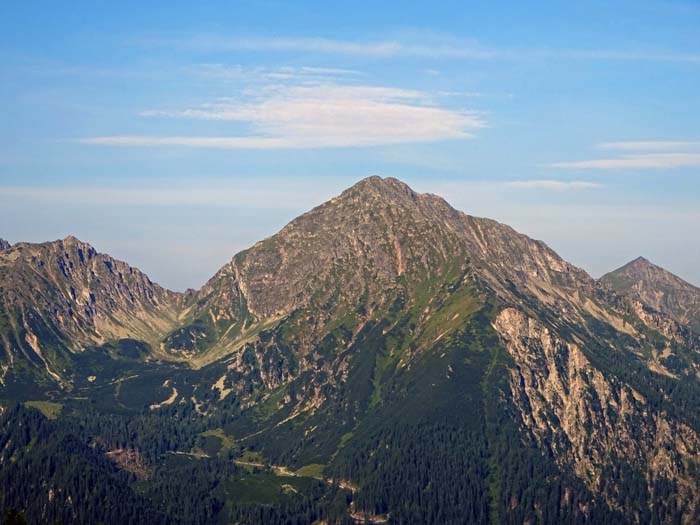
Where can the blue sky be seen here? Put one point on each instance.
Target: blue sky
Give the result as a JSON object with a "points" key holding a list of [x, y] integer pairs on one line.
{"points": [[172, 135]]}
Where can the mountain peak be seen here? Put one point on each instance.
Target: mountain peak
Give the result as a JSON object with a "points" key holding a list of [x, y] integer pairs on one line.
{"points": [[71, 240], [386, 188], [66, 287], [378, 236], [68, 244], [642, 268], [642, 280], [636, 268], [640, 262], [639, 270], [376, 181]]}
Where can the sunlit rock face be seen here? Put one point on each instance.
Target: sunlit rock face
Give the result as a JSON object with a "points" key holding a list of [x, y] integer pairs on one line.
{"points": [[385, 307], [659, 289]]}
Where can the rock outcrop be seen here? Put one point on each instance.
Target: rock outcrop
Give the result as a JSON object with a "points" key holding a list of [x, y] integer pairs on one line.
{"points": [[652, 285], [383, 306], [64, 296], [591, 421]]}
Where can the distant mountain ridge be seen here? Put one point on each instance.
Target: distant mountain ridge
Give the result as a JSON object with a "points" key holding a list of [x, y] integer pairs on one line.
{"points": [[373, 328], [58, 297], [658, 288]]}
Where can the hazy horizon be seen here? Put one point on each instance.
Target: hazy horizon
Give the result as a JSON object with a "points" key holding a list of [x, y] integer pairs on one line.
{"points": [[173, 138], [219, 252]]}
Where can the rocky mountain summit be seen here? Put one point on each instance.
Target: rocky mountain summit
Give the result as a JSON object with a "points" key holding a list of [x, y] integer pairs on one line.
{"points": [[383, 329], [652, 285], [56, 298], [375, 240]]}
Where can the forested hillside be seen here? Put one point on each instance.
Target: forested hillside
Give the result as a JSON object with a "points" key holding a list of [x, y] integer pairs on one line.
{"points": [[384, 358]]}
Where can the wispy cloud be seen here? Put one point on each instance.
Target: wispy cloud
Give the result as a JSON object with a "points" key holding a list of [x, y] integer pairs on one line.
{"points": [[280, 194], [640, 161], [618, 55], [254, 74], [430, 46], [316, 116], [549, 184], [650, 145], [446, 47]]}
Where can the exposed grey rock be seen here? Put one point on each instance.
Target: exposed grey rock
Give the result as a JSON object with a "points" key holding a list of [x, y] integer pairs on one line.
{"points": [[652, 285]]}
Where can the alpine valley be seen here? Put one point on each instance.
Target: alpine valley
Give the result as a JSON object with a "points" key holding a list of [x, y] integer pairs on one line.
{"points": [[384, 358]]}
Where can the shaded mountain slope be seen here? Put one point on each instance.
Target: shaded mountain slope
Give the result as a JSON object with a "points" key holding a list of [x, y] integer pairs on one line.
{"points": [[394, 344], [385, 309], [360, 249], [60, 297], [652, 285]]}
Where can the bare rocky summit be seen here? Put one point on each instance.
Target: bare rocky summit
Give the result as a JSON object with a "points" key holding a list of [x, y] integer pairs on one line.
{"points": [[63, 296], [363, 246], [387, 309], [658, 288]]}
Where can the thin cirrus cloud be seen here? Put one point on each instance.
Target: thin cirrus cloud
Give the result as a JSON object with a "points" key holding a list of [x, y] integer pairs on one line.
{"points": [[239, 73], [640, 155], [640, 161], [284, 194], [549, 184], [429, 46], [437, 48], [316, 116], [650, 145]]}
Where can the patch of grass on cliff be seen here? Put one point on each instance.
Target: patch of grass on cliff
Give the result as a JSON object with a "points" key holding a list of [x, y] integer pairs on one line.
{"points": [[252, 456], [269, 406], [215, 442], [344, 439], [227, 441], [314, 470], [49, 409], [267, 489]]}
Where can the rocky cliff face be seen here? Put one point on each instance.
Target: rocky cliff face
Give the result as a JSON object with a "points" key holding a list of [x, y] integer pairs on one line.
{"points": [[64, 296], [658, 288], [297, 314], [350, 251], [360, 249], [4, 245], [593, 422], [384, 307]]}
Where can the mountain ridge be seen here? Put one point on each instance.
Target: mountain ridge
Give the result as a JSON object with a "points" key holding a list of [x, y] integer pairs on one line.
{"points": [[384, 317], [59, 297], [655, 286], [385, 225], [241, 298]]}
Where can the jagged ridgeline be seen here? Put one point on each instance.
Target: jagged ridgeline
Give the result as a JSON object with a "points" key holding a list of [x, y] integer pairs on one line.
{"points": [[649, 284], [383, 358]]}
